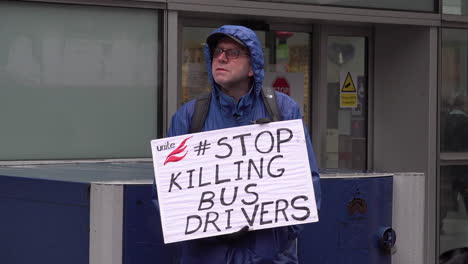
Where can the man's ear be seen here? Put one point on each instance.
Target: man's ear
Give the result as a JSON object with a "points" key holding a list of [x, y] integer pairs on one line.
{"points": [[251, 71]]}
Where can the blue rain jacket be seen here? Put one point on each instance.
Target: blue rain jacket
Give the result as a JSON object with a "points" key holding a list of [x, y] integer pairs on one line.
{"points": [[276, 245]]}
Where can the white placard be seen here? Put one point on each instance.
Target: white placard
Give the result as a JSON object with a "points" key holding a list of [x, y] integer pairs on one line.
{"points": [[217, 182]]}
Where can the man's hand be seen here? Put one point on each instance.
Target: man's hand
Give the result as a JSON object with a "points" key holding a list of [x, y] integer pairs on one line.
{"points": [[235, 236]]}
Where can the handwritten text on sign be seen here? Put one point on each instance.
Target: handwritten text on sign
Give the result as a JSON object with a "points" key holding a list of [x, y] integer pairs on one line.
{"points": [[217, 182]]}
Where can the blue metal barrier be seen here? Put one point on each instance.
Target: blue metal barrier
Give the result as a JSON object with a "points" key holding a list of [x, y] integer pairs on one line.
{"points": [[353, 212], [45, 217]]}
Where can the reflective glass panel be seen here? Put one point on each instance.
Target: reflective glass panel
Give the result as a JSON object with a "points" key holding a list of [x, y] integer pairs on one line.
{"points": [[346, 136], [194, 74], [413, 5], [454, 93], [455, 7], [77, 81], [453, 208], [287, 66]]}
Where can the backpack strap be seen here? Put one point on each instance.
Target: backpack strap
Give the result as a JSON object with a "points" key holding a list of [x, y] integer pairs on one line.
{"points": [[269, 99], [202, 104]]}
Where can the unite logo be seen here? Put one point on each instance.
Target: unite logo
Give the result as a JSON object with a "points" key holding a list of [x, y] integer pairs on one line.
{"points": [[172, 156]]}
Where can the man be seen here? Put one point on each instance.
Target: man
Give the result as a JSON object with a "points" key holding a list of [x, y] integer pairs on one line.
{"points": [[457, 125], [454, 256], [234, 59]]}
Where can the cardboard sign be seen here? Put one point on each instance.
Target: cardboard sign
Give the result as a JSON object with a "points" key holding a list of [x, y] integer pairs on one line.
{"points": [[217, 182]]}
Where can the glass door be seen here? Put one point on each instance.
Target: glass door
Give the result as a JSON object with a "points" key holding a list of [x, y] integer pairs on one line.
{"points": [[346, 136]]}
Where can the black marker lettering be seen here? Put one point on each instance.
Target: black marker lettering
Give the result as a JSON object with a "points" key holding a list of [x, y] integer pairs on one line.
{"points": [[238, 163], [173, 181], [246, 189], [190, 178], [242, 142], [233, 198], [263, 211], [188, 220], [281, 170], [208, 221], [252, 164], [283, 209], [280, 141], [229, 218], [217, 180], [272, 142], [200, 176], [252, 219], [220, 143], [206, 200], [300, 208]]}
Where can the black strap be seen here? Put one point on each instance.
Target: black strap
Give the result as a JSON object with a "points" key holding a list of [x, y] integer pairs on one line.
{"points": [[202, 104], [269, 99]]}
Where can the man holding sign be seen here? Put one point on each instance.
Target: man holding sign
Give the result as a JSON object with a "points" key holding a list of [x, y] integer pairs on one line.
{"points": [[234, 59]]}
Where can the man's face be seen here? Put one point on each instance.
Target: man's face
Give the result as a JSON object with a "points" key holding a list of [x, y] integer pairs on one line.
{"points": [[231, 72]]}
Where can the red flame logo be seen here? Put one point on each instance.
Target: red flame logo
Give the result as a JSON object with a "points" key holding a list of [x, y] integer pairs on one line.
{"points": [[172, 156]]}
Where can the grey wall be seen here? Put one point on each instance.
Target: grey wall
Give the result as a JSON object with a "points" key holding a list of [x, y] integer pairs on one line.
{"points": [[401, 98], [405, 108]]}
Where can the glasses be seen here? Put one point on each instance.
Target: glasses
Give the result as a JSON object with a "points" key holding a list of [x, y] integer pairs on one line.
{"points": [[231, 54]]}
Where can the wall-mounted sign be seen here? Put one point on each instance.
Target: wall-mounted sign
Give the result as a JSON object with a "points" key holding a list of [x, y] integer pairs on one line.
{"points": [[348, 91], [281, 85]]}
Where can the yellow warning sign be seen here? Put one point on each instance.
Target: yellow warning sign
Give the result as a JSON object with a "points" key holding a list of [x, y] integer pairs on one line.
{"points": [[348, 100], [348, 85], [348, 91]]}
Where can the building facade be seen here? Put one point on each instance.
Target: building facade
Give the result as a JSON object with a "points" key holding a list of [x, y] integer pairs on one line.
{"points": [[383, 84]]}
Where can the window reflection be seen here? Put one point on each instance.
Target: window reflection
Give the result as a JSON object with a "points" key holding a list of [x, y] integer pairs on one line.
{"points": [[413, 5], [455, 7], [453, 200], [287, 68], [77, 82], [454, 94], [453, 207], [194, 75], [346, 138]]}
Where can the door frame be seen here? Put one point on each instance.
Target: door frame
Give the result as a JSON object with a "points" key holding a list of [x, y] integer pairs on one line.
{"points": [[320, 95]]}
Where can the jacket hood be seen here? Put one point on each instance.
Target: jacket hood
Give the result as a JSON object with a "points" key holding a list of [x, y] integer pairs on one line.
{"points": [[249, 38]]}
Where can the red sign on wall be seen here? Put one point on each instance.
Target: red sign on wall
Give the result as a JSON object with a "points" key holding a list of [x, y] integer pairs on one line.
{"points": [[281, 85]]}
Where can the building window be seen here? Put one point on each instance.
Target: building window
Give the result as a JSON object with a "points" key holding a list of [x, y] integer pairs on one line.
{"points": [[455, 7], [413, 5], [77, 81], [454, 94], [453, 203], [346, 136], [453, 207]]}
